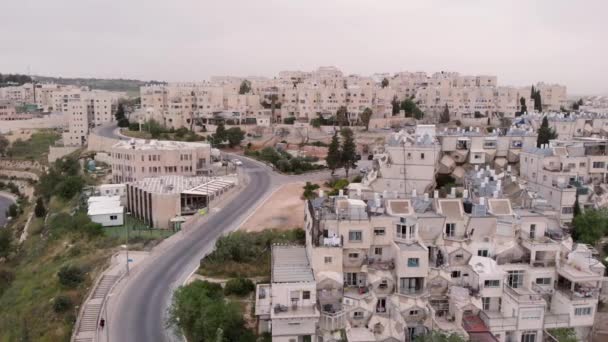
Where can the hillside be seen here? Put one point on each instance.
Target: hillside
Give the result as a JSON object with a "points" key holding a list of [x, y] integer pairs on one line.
{"points": [[112, 84]]}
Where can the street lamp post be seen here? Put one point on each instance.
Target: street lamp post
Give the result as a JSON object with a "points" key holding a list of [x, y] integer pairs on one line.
{"points": [[127, 241]]}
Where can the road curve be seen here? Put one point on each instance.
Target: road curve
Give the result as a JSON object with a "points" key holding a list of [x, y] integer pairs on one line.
{"points": [[139, 312]]}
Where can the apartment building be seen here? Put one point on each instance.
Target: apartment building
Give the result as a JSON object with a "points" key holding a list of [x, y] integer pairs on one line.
{"points": [[137, 159], [84, 109], [572, 125], [562, 170], [288, 305], [8, 112], [389, 268], [476, 147], [163, 201], [407, 162], [553, 96]]}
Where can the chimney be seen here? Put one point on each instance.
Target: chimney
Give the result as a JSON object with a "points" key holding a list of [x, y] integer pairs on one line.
{"points": [[508, 168], [476, 167], [495, 194], [436, 194], [359, 192], [482, 201], [426, 196], [341, 193], [414, 193], [465, 193], [453, 192], [321, 193]]}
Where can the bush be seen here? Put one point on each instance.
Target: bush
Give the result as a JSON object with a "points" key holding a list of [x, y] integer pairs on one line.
{"points": [[62, 304], [70, 276], [239, 286], [13, 211], [289, 121], [134, 126], [5, 242], [39, 210]]}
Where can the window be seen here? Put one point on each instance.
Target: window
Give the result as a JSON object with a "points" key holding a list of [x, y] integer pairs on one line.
{"points": [[378, 251], [582, 165], [528, 336], [350, 279], [455, 274], [113, 217], [355, 235], [353, 255], [598, 165], [305, 294], [567, 210], [450, 228], [459, 256], [413, 262], [413, 312], [328, 260], [379, 231], [383, 284], [485, 303], [582, 311], [482, 252], [532, 231], [543, 281], [491, 283], [422, 156], [358, 314]]}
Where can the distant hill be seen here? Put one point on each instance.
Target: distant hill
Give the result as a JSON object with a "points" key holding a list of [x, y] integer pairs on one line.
{"points": [[112, 84]]}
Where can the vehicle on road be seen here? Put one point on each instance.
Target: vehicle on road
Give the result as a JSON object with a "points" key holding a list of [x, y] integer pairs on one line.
{"points": [[237, 162]]}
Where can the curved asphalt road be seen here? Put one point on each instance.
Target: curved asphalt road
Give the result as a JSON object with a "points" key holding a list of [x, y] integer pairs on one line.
{"points": [[139, 312]]}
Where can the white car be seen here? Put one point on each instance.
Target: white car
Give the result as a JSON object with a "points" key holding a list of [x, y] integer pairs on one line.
{"points": [[237, 162]]}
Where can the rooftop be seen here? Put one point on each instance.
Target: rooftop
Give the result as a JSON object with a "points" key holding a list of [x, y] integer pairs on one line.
{"points": [[290, 264], [140, 144], [176, 184]]}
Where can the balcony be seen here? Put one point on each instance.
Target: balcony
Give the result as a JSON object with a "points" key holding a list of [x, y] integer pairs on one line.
{"points": [[556, 321], [524, 296], [332, 321], [496, 321], [580, 294]]}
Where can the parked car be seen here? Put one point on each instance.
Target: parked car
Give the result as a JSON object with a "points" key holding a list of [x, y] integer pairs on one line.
{"points": [[363, 170], [237, 162], [370, 157]]}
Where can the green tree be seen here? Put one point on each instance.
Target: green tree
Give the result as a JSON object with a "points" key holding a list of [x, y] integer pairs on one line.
{"points": [[532, 92], [13, 211], [62, 304], [348, 154], [575, 105], [200, 310], [366, 116], [396, 105], [564, 334], [121, 119], [384, 83], [235, 136], [4, 143], [522, 105], [445, 116], [545, 133], [411, 109], [334, 155], [590, 226], [342, 116], [245, 87], [309, 191], [5, 245], [71, 276], [580, 102], [39, 210], [70, 186], [577, 207], [239, 286], [538, 103], [154, 128]]}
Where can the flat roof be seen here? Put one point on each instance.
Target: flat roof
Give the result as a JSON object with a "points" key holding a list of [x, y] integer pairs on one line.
{"points": [[141, 144], [290, 264], [399, 207], [176, 184], [500, 206]]}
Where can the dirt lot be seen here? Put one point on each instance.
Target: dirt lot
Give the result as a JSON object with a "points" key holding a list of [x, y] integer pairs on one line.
{"points": [[283, 210]]}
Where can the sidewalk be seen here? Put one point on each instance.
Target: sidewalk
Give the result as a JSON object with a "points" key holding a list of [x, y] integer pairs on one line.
{"points": [[93, 309]]}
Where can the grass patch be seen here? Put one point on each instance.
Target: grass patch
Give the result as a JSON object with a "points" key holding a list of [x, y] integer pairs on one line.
{"points": [[246, 254], [36, 148]]}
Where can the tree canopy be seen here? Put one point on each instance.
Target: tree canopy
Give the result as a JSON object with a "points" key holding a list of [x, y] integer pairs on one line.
{"points": [[245, 87], [384, 83], [342, 116], [348, 158], [545, 133], [590, 226], [445, 115], [334, 155], [411, 109], [202, 312], [366, 116]]}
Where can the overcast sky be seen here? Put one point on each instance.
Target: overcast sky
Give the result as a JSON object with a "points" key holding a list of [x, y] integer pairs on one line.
{"points": [[521, 41]]}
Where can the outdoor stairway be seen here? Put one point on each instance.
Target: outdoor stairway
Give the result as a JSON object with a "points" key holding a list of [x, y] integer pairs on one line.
{"points": [[104, 286], [89, 318], [89, 321]]}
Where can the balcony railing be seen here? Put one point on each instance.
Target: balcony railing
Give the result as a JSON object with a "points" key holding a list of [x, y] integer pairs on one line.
{"points": [[332, 321], [557, 321], [580, 295], [497, 321], [525, 296]]}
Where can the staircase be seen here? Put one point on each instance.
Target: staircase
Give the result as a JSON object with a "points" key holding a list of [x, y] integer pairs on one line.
{"points": [[88, 321]]}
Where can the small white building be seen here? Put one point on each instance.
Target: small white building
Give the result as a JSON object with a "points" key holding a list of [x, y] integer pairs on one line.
{"points": [[106, 210]]}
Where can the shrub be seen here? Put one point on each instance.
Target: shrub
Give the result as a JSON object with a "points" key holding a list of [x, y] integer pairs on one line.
{"points": [[39, 210], [239, 286], [62, 304], [70, 276]]}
